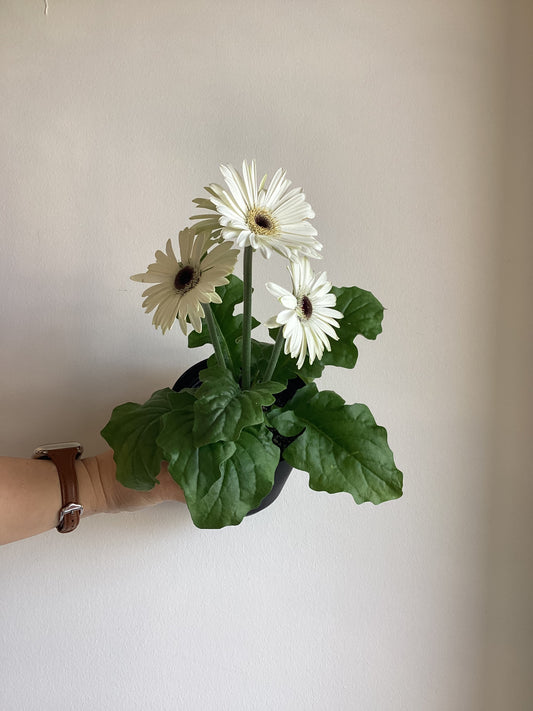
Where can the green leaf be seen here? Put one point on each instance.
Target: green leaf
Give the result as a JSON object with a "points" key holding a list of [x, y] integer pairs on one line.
{"points": [[222, 410], [286, 366], [131, 433], [342, 448], [229, 326], [308, 372], [362, 315], [266, 391], [248, 476], [193, 468], [222, 481]]}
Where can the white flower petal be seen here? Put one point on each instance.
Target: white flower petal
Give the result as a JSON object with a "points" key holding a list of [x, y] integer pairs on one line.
{"points": [[186, 240], [285, 316], [271, 322], [289, 301], [278, 291]]}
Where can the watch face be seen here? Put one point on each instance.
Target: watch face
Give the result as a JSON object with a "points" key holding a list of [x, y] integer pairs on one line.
{"points": [[43, 450]]}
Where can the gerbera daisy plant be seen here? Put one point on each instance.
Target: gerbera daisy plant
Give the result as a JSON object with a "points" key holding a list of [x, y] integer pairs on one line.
{"points": [[256, 404]]}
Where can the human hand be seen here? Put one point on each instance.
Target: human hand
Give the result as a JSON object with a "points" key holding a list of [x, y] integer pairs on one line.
{"points": [[102, 492]]}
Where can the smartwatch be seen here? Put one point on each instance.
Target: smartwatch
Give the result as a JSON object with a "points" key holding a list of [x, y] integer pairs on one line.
{"points": [[64, 455]]}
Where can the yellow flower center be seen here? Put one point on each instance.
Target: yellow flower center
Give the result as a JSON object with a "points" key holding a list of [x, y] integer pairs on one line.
{"points": [[261, 222], [186, 279]]}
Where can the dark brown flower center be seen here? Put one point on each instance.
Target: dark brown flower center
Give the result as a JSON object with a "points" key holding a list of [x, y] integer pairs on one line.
{"points": [[306, 307], [186, 279], [264, 221], [260, 221]]}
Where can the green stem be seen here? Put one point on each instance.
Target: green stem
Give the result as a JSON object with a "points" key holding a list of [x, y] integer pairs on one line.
{"points": [[274, 355], [213, 333], [228, 360], [247, 318]]}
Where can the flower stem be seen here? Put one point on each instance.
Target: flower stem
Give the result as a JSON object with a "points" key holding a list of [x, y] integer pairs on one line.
{"points": [[247, 318], [213, 333], [274, 355]]}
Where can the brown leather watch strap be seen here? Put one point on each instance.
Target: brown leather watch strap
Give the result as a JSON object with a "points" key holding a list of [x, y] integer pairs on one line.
{"points": [[64, 455], [64, 459]]}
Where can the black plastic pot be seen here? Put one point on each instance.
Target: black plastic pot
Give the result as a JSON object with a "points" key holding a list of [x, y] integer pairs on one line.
{"points": [[190, 379]]}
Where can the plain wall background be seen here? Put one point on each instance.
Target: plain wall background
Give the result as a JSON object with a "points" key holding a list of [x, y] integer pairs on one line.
{"points": [[408, 125]]}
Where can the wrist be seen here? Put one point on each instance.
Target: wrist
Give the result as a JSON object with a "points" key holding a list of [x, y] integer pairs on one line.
{"points": [[90, 472], [100, 492]]}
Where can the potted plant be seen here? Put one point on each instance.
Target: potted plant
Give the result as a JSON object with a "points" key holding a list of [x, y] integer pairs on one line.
{"points": [[226, 427]]}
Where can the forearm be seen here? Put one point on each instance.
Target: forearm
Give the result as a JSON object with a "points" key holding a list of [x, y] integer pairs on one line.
{"points": [[30, 496]]}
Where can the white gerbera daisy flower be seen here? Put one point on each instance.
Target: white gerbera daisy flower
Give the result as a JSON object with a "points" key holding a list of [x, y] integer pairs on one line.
{"points": [[180, 288], [270, 219], [308, 319]]}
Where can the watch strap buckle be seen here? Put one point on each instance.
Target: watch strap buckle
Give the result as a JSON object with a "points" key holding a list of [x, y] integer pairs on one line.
{"points": [[76, 510]]}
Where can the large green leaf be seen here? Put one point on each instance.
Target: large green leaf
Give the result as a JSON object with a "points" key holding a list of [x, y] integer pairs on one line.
{"points": [[132, 432], [362, 315], [229, 326], [248, 476], [342, 448], [193, 468], [222, 410], [222, 481]]}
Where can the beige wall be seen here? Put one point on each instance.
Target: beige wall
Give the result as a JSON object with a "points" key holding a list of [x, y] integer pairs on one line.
{"points": [[510, 586], [398, 120]]}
